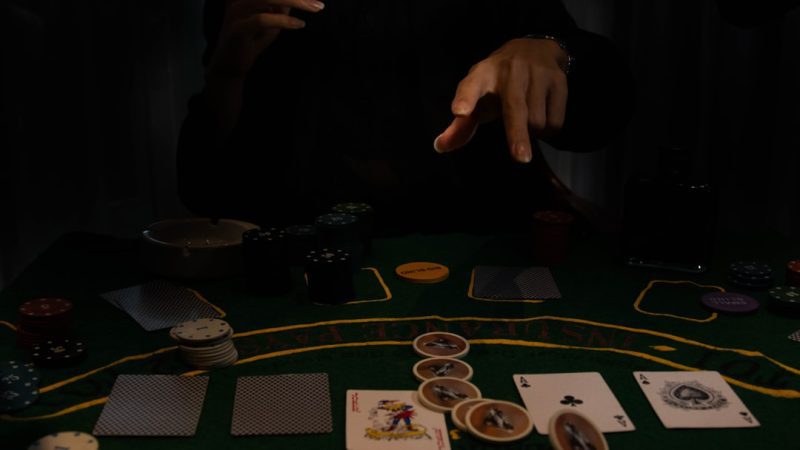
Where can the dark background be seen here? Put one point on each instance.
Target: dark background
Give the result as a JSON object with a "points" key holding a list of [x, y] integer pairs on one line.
{"points": [[94, 92]]}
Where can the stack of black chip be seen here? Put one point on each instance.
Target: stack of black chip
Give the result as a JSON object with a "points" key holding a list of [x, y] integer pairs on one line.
{"points": [[329, 273], [366, 218], [58, 352], [266, 261], [300, 239], [342, 231], [751, 275]]}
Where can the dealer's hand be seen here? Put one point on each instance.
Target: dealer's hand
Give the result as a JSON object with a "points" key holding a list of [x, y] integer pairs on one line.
{"points": [[524, 82], [249, 27]]}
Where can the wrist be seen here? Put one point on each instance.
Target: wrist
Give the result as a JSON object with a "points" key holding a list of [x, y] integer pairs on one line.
{"points": [[564, 58], [216, 75]]}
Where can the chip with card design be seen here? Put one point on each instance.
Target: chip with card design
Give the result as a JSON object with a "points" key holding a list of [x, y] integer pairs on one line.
{"points": [[571, 430], [498, 421]]}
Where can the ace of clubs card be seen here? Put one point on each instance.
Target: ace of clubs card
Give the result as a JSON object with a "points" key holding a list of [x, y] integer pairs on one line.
{"points": [[586, 392]]}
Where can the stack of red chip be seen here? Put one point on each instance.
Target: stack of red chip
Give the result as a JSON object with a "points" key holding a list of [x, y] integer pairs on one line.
{"points": [[43, 319], [551, 236], [793, 273]]}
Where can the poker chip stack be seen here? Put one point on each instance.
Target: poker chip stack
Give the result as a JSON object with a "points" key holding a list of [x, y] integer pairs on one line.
{"points": [[43, 319], [19, 386], [445, 387], [366, 219], [300, 239], [266, 261], [329, 275], [785, 300], [342, 231], [751, 275], [205, 343], [793, 273], [551, 236], [58, 352]]}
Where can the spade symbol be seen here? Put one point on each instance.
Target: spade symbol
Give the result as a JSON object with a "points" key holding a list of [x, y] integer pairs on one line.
{"points": [[691, 394]]}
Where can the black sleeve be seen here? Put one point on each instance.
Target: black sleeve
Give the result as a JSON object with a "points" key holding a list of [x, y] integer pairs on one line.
{"points": [[750, 14], [601, 94], [200, 159], [601, 86]]}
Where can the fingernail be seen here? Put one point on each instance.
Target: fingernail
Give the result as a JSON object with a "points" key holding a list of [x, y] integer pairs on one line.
{"points": [[436, 144], [461, 108], [522, 153], [316, 5], [297, 23]]}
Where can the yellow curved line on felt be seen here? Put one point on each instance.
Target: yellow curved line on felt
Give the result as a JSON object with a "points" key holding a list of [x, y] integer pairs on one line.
{"points": [[205, 300], [295, 351], [63, 412], [471, 294], [637, 303], [782, 393], [141, 356], [8, 325], [750, 353], [387, 293]]}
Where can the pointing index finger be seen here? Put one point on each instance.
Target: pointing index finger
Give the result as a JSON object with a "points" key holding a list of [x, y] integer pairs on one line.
{"points": [[471, 89]]}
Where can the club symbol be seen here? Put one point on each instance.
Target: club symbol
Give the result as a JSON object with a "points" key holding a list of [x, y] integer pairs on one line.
{"points": [[746, 416], [644, 379], [571, 401]]}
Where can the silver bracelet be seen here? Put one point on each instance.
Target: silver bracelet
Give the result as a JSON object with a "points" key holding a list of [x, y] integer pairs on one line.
{"points": [[560, 43]]}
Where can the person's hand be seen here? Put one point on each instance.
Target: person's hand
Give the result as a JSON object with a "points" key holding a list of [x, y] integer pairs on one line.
{"points": [[249, 27], [524, 82]]}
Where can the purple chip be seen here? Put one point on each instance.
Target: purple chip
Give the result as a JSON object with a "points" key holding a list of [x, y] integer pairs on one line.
{"points": [[729, 302]]}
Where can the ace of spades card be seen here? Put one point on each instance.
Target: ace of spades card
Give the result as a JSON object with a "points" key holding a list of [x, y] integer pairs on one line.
{"points": [[700, 399], [586, 392]]}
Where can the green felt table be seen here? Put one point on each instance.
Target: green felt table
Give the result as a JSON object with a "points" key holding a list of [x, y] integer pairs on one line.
{"points": [[593, 327]]}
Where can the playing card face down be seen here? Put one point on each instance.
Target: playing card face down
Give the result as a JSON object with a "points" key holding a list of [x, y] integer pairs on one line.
{"points": [[152, 405], [514, 283], [159, 305], [586, 392], [701, 399], [392, 420], [297, 403]]}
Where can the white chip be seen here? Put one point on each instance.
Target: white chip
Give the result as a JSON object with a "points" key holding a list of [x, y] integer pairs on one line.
{"points": [[201, 330], [66, 440]]}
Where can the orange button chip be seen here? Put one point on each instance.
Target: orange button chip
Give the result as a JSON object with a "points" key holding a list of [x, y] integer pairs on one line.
{"points": [[422, 272]]}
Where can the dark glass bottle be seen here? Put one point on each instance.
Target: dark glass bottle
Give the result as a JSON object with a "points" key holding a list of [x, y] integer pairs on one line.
{"points": [[669, 219]]}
